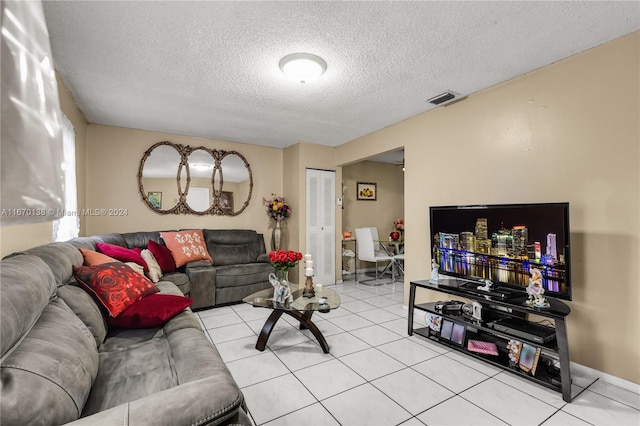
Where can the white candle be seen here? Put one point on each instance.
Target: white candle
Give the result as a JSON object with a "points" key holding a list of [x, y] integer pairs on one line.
{"points": [[309, 263], [318, 288], [307, 257], [308, 272]]}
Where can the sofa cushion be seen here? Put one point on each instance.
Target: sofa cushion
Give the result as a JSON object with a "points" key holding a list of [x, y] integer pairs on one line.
{"points": [[233, 246], [151, 311], [60, 257], [242, 275], [27, 286], [180, 280], [233, 254], [122, 254], [88, 243], [161, 358], [140, 239], [115, 285], [47, 377], [85, 307], [163, 256], [186, 246]]}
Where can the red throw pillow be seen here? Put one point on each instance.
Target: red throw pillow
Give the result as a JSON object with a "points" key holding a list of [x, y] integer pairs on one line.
{"points": [[115, 285], [122, 254], [152, 311], [163, 256], [186, 246]]}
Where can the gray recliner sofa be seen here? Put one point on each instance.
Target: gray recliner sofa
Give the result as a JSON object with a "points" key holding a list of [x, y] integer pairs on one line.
{"points": [[240, 264], [61, 363]]}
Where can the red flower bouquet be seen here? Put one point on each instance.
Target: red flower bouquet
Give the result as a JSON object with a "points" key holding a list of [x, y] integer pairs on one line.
{"points": [[283, 260]]}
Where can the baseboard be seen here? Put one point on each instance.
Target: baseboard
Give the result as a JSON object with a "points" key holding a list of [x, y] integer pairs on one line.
{"points": [[611, 379]]}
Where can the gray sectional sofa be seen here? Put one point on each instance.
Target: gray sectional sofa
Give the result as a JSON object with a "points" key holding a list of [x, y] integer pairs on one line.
{"points": [[240, 264], [62, 363]]}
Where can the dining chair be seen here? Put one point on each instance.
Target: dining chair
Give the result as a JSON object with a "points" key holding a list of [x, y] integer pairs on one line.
{"points": [[367, 253], [379, 248]]}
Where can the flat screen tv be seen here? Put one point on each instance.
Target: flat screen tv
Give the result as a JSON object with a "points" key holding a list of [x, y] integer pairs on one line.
{"points": [[503, 243]]}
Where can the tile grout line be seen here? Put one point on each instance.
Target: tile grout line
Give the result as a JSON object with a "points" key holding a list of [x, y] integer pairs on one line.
{"points": [[363, 296]]}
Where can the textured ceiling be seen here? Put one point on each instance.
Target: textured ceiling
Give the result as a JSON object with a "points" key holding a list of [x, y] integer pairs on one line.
{"points": [[210, 69]]}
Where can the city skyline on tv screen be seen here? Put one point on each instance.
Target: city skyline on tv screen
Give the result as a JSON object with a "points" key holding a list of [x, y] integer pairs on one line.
{"points": [[503, 243]]}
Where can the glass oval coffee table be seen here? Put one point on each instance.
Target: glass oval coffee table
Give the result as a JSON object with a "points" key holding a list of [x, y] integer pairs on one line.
{"points": [[302, 308]]}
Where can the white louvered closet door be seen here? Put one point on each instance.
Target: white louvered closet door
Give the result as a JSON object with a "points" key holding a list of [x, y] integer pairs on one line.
{"points": [[321, 224]]}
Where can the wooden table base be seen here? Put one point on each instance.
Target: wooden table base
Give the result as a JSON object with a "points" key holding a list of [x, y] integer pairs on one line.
{"points": [[305, 323]]}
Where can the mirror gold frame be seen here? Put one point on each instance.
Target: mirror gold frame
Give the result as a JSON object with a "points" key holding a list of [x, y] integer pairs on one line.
{"points": [[218, 194]]}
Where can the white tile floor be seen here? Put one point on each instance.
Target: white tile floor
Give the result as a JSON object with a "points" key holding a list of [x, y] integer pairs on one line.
{"points": [[377, 375]]}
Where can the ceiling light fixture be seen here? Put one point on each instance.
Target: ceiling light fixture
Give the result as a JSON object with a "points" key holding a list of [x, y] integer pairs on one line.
{"points": [[303, 67]]}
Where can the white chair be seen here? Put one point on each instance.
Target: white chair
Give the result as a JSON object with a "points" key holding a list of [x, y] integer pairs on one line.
{"points": [[380, 249], [366, 251]]}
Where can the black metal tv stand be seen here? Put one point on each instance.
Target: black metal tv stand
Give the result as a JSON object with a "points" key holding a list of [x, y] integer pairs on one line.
{"points": [[495, 309]]}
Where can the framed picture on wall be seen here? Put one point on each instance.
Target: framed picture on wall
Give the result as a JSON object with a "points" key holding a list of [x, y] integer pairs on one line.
{"points": [[226, 201], [155, 198], [366, 191]]}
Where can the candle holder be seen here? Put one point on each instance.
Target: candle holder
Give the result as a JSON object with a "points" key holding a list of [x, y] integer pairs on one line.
{"points": [[308, 292]]}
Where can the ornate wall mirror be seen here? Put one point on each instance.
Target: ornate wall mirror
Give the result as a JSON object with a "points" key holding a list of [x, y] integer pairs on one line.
{"points": [[200, 193], [174, 178], [236, 183]]}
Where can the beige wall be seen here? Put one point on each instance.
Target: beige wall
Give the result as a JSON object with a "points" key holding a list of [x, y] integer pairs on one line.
{"points": [[113, 159], [566, 132], [21, 237], [389, 204], [298, 158]]}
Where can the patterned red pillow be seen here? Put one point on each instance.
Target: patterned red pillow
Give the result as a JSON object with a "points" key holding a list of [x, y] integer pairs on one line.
{"points": [[122, 254], [163, 256], [115, 285], [152, 311], [186, 246]]}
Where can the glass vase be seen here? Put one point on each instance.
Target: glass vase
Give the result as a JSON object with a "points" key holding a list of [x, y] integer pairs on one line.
{"points": [[283, 276], [281, 289]]}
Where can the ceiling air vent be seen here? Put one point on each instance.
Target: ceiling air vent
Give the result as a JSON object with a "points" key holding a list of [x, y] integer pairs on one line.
{"points": [[444, 98]]}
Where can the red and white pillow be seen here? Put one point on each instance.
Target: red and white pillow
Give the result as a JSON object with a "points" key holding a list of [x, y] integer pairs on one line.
{"points": [[186, 246]]}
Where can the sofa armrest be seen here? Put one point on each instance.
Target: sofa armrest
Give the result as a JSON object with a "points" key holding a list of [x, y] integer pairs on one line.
{"points": [[263, 258], [210, 401], [202, 277]]}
